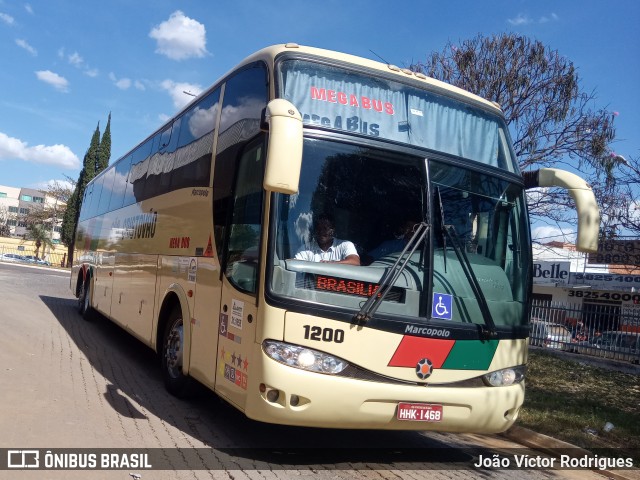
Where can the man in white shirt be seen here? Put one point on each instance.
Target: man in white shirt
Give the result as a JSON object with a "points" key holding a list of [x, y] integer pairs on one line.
{"points": [[325, 247]]}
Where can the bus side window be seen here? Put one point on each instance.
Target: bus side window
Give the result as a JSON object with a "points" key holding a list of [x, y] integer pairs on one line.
{"points": [[120, 183], [107, 188], [95, 200], [245, 96], [86, 202], [154, 164], [246, 223], [192, 165], [137, 174]]}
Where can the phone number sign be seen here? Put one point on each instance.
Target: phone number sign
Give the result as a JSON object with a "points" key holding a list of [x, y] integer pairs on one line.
{"points": [[617, 252]]}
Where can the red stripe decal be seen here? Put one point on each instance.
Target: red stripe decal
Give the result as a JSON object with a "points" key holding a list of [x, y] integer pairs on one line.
{"points": [[413, 349]]}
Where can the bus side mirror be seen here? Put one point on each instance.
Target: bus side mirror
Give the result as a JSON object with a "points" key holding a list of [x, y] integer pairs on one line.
{"points": [[284, 153], [585, 200]]}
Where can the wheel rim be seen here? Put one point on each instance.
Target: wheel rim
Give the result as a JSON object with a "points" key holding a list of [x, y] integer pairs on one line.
{"points": [[81, 298], [173, 350], [85, 300]]}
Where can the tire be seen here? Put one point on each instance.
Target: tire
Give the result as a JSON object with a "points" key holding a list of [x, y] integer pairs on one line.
{"points": [[84, 299], [175, 381]]}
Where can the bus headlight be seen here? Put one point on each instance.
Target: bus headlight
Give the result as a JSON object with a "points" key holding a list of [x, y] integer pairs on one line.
{"points": [[505, 377], [303, 357]]}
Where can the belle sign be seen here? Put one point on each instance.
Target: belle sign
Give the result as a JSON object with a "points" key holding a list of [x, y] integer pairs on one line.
{"points": [[551, 272]]}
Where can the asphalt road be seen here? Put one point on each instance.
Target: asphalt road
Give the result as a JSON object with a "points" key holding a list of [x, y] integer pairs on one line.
{"points": [[91, 388]]}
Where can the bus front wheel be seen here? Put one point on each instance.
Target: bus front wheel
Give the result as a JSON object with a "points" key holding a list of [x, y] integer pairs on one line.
{"points": [[176, 382]]}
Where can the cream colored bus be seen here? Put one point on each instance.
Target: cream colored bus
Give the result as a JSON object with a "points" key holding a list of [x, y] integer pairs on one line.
{"points": [[193, 242]]}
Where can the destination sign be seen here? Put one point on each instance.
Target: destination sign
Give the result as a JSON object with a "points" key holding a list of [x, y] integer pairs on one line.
{"points": [[352, 287]]}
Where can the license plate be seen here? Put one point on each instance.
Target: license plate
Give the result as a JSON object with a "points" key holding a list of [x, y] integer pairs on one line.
{"points": [[420, 412]]}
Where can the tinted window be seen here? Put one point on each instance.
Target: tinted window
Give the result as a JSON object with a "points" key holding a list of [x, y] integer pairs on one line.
{"points": [[245, 96], [120, 183], [86, 202], [138, 173], [95, 197], [107, 186], [192, 166]]}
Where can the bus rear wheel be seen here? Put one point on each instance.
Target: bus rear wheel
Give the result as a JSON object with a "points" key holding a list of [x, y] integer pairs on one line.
{"points": [[176, 382], [84, 299]]}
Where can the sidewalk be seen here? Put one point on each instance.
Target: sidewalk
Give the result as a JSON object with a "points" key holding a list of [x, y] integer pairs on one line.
{"points": [[551, 446]]}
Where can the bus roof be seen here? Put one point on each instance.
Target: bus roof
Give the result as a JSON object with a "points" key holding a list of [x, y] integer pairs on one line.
{"points": [[270, 53], [402, 73]]}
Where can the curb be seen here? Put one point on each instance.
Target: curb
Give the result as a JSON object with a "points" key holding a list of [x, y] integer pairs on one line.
{"points": [[550, 445], [41, 267]]}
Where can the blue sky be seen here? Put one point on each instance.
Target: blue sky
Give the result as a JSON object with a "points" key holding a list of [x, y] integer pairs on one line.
{"points": [[67, 64]]}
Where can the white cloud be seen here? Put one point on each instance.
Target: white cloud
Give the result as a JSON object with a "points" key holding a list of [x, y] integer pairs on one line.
{"points": [[8, 19], [138, 85], [28, 8], [546, 234], [551, 18], [56, 155], [92, 72], [523, 19], [176, 91], [45, 186], [53, 79], [123, 83], [75, 59], [180, 37], [23, 44], [519, 20]]}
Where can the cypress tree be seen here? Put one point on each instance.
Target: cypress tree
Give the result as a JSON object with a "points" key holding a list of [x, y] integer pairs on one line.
{"points": [[104, 152], [72, 214]]}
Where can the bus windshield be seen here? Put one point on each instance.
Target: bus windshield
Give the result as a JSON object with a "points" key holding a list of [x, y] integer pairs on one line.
{"points": [[372, 201]]}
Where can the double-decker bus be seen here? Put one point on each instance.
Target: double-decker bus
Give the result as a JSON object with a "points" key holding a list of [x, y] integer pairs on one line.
{"points": [[192, 242]]}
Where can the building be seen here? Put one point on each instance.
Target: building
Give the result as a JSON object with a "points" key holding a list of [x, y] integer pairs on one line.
{"points": [[573, 288], [17, 203]]}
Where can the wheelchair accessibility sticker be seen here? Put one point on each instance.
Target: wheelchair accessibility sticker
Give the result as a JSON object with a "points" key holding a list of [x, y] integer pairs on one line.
{"points": [[441, 307]]}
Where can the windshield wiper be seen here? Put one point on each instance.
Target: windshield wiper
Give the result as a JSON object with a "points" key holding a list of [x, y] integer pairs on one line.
{"points": [[488, 330], [391, 275]]}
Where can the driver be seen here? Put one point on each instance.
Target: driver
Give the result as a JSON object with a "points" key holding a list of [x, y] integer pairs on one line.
{"points": [[325, 247]]}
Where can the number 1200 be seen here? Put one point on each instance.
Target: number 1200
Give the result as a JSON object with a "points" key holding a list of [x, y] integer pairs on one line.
{"points": [[323, 334]]}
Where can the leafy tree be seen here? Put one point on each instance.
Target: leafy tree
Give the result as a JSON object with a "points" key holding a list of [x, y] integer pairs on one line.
{"points": [[40, 235], [61, 191], [622, 207], [550, 118], [50, 212], [5, 230]]}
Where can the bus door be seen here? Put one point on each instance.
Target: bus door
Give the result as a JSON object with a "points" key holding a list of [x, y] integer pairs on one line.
{"points": [[238, 310]]}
